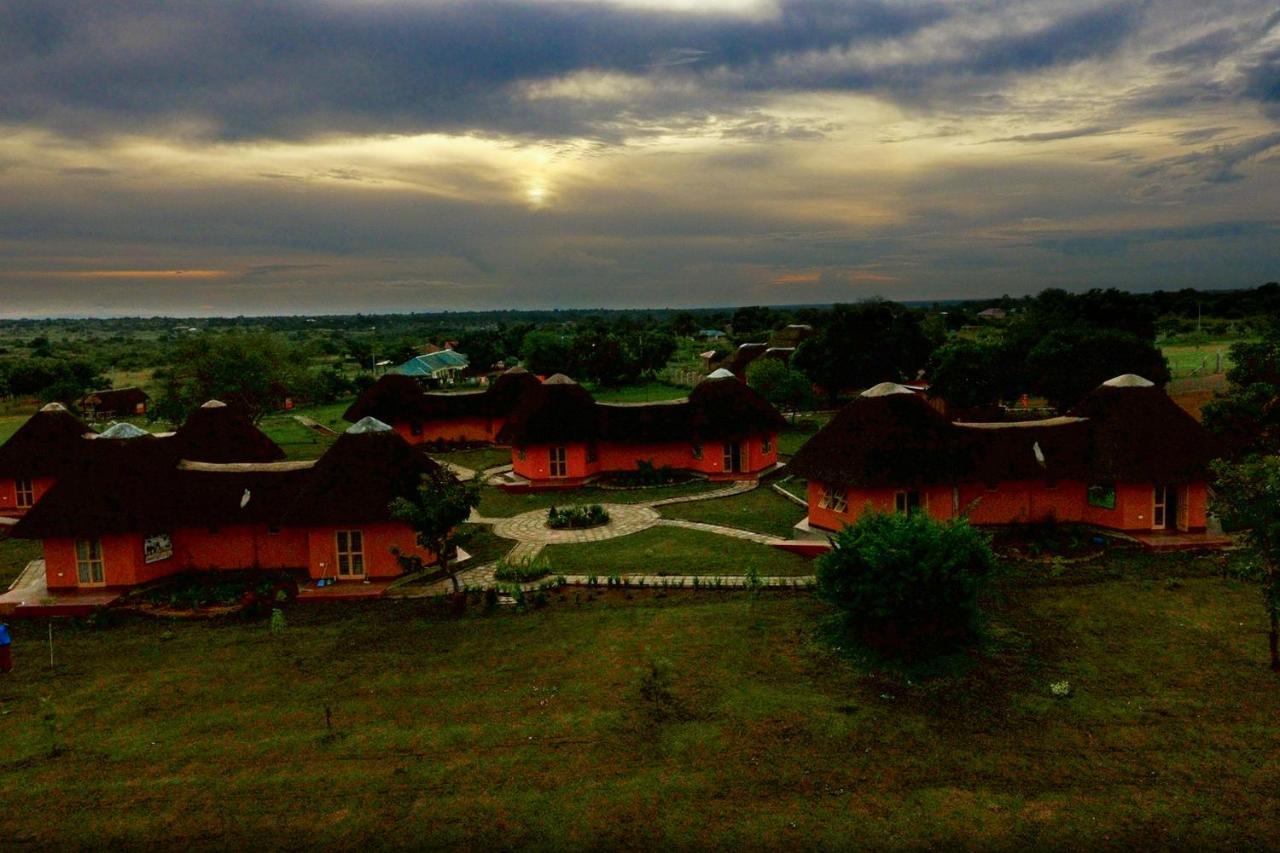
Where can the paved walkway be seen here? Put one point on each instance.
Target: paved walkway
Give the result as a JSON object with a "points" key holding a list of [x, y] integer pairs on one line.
{"points": [[737, 487], [721, 530], [624, 519]]}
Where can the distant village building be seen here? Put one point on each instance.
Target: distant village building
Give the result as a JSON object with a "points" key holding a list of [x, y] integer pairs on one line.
{"points": [[115, 403], [992, 314], [441, 368], [561, 436], [711, 334], [1126, 458]]}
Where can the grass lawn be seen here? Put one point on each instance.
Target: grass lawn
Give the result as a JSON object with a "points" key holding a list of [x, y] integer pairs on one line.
{"points": [[795, 435], [673, 551], [9, 424], [762, 510], [14, 556], [641, 392], [483, 544], [477, 460], [496, 503], [529, 729], [1197, 359]]}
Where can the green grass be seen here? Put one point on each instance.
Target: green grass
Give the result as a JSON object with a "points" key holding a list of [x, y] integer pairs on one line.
{"points": [[642, 392], [477, 460], [529, 729], [762, 510], [795, 435], [674, 551], [483, 544], [1197, 359], [9, 424], [496, 503], [14, 556]]}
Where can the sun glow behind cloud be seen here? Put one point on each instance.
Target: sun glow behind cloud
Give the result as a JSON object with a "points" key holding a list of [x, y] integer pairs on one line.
{"points": [[597, 153]]}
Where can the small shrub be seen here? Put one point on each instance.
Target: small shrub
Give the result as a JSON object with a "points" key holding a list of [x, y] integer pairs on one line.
{"points": [[523, 571], [577, 517], [905, 584], [656, 692]]}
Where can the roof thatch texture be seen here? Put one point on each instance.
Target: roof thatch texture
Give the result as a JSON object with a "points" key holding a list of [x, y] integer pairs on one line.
{"points": [[1119, 433], [216, 432], [44, 445], [396, 398]]}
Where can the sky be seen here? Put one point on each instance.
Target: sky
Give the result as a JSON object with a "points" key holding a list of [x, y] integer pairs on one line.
{"points": [[332, 156]]}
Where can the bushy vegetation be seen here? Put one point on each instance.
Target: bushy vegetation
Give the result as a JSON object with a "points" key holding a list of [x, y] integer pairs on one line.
{"points": [[576, 517], [907, 585], [647, 474], [522, 571]]}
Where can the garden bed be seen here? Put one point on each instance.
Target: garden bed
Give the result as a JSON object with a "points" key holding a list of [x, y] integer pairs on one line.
{"points": [[1048, 542], [210, 594], [581, 517]]}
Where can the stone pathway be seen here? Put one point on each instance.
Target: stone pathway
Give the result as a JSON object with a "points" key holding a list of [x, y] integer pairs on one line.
{"points": [[721, 530], [462, 473], [624, 519], [737, 487]]}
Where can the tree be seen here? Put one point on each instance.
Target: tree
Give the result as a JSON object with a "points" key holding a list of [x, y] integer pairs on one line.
{"points": [[905, 584], [1246, 417], [254, 371], [783, 386], [863, 344], [436, 513], [1070, 363], [1247, 498], [483, 348], [683, 324], [968, 374], [653, 349], [602, 358], [545, 352]]}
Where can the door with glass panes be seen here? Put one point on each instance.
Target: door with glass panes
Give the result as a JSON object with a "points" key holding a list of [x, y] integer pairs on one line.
{"points": [[350, 554]]}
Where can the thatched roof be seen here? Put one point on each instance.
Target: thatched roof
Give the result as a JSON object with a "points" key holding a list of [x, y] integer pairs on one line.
{"points": [[1123, 431], [119, 400], [356, 480], [136, 485], [44, 445], [1139, 434], [889, 436], [561, 411], [216, 432], [396, 398]]}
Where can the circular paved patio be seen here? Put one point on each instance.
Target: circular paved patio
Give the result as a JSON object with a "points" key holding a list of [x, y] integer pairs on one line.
{"points": [[624, 519]]}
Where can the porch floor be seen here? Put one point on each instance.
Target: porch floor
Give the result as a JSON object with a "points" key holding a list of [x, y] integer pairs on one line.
{"points": [[1177, 540], [29, 595], [352, 590]]}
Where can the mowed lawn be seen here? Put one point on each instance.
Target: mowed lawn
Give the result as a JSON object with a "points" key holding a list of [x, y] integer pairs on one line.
{"points": [[673, 551], [761, 510], [530, 728]]}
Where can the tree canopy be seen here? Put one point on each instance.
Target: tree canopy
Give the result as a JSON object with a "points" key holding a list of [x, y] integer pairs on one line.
{"points": [[436, 514], [254, 371], [1071, 362], [862, 344]]}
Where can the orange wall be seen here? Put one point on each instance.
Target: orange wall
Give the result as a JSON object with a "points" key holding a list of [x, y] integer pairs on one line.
{"points": [[9, 495], [240, 547], [612, 456], [379, 539], [1019, 502], [455, 429]]}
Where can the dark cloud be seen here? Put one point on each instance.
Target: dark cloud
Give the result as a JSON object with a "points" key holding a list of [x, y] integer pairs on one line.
{"points": [[1120, 241], [241, 69], [1216, 165], [1055, 135]]}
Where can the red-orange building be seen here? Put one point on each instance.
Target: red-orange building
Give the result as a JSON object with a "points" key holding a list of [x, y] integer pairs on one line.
{"points": [[130, 512], [1126, 458], [561, 436], [422, 417]]}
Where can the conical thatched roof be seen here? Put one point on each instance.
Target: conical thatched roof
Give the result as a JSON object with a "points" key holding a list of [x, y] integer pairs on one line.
{"points": [[44, 445], [216, 432]]}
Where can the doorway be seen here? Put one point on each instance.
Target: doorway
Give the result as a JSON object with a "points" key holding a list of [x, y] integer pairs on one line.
{"points": [[1166, 511], [733, 457]]}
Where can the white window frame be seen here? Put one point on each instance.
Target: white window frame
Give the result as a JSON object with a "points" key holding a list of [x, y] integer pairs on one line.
{"points": [[24, 492], [90, 568], [902, 501], [835, 500], [349, 547]]}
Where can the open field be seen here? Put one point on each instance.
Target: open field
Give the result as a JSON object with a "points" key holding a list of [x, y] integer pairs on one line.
{"points": [[530, 728], [673, 551], [478, 459], [641, 392], [1198, 359]]}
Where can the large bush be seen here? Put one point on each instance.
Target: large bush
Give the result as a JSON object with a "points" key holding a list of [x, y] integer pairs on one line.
{"points": [[905, 584]]}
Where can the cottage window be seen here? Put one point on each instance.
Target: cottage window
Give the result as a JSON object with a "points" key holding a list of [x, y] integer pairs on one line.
{"points": [[559, 462], [907, 503], [592, 453], [89, 569], [273, 531], [416, 429], [350, 553], [26, 494], [766, 444], [697, 451], [1102, 495], [836, 501]]}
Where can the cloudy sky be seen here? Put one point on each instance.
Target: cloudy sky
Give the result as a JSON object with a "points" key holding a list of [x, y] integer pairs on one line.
{"points": [[273, 156]]}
